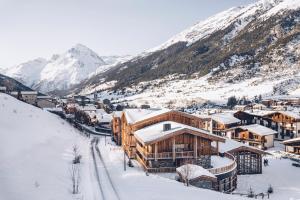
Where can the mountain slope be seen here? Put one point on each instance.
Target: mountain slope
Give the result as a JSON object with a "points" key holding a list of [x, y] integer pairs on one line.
{"points": [[12, 85], [254, 44]]}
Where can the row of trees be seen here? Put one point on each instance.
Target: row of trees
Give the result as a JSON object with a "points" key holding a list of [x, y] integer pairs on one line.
{"points": [[233, 101]]}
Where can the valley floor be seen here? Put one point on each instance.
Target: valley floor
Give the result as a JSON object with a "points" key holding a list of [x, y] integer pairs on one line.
{"points": [[36, 155]]}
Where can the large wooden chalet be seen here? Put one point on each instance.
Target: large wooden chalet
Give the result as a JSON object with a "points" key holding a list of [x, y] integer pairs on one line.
{"points": [[167, 145], [163, 140], [135, 119]]}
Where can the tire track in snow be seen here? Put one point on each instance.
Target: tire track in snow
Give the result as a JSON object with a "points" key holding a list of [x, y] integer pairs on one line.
{"points": [[107, 173], [96, 170]]}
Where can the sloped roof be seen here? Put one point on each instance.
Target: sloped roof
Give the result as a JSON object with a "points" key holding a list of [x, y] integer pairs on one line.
{"points": [[195, 171], [225, 118], [268, 112], [136, 115], [155, 132], [291, 140], [231, 145], [258, 129], [290, 114], [117, 114], [259, 112]]}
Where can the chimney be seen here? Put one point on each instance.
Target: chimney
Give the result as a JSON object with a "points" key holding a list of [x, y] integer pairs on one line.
{"points": [[166, 127]]}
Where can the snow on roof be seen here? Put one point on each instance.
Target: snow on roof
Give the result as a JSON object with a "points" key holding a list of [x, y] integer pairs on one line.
{"points": [[154, 132], [136, 115], [290, 114], [24, 92], [259, 105], [117, 114], [291, 140], [225, 118], [232, 144], [259, 112], [86, 107], [43, 97], [29, 92], [104, 117], [195, 171], [258, 129], [218, 161], [202, 116], [240, 106]]}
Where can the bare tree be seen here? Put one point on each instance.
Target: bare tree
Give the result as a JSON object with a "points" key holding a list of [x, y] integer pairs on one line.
{"points": [[75, 177], [187, 173], [74, 170], [76, 155]]}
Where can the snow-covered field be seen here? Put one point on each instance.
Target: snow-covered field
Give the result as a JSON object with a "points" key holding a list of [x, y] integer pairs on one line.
{"points": [[280, 174]]}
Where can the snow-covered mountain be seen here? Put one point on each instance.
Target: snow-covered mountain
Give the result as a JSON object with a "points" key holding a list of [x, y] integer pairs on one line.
{"points": [[27, 73], [68, 69], [62, 70], [244, 51]]}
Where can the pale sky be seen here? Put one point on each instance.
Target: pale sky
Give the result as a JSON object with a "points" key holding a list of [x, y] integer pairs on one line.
{"points": [[40, 28]]}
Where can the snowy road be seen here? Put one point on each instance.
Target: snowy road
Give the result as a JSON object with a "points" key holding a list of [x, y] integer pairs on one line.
{"points": [[106, 185]]}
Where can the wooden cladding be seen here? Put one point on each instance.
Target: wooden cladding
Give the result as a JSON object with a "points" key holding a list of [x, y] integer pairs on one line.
{"points": [[128, 139]]}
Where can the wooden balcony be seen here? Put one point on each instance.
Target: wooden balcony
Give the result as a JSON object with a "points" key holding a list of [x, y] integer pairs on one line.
{"points": [[254, 141], [164, 155]]}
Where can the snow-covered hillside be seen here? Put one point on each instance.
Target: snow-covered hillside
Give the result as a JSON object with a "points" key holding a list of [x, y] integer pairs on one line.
{"points": [[36, 152], [244, 51], [239, 16]]}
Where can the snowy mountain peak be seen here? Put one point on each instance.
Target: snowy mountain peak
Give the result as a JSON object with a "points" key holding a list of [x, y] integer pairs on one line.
{"points": [[62, 70]]}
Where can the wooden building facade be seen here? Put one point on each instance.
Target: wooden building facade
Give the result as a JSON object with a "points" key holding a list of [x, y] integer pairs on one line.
{"points": [[145, 118], [285, 123], [116, 127], [292, 146], [161, 149], [255, 135]]}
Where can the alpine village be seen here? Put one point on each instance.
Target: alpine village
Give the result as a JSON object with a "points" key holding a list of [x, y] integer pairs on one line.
{"points": [[171, 136]]}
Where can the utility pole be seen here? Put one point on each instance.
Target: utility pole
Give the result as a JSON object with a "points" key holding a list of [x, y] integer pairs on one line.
{"points": [[124, 161]]}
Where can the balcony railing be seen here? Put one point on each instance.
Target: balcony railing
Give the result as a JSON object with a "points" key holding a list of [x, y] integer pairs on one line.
{"points": [[164, 155], [225, 169]]}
